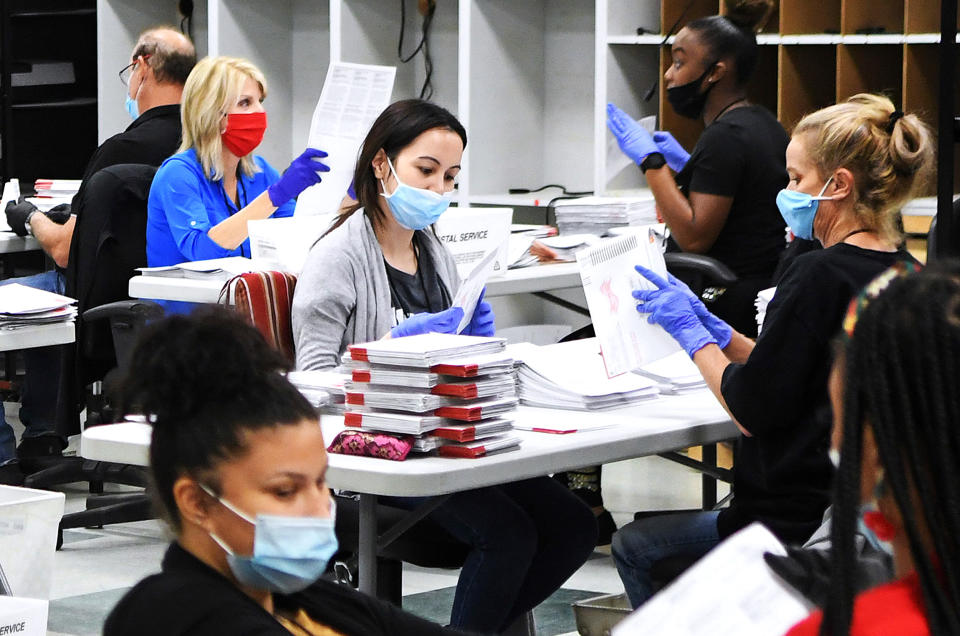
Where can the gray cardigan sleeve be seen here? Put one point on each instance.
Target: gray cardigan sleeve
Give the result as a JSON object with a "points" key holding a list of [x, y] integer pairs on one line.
{"points": [[323, 305]]}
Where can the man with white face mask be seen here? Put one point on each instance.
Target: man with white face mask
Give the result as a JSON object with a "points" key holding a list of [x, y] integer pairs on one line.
{"points": [[153, 79]]}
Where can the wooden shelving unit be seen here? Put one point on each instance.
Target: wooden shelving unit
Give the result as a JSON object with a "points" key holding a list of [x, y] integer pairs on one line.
{"points": [[812, 54]]}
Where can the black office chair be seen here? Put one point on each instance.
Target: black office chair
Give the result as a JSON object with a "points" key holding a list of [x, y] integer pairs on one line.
{"points": [[109, 243]]}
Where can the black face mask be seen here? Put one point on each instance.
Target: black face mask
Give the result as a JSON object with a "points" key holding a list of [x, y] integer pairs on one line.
{"points": [[687, 100]]}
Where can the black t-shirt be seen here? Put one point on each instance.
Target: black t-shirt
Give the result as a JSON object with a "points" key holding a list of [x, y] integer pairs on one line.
{"points": [[420, 292], [782, 474], [741, 155]]}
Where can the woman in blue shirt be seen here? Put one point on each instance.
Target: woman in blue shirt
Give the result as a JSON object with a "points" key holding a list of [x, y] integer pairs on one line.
{"points": [[203, 196]]}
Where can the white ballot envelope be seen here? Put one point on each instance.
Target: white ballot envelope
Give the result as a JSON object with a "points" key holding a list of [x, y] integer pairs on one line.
{"points": [[627, 340], [469, 293], [729, 592], [616, 160], [472, 233], [353, 96]]}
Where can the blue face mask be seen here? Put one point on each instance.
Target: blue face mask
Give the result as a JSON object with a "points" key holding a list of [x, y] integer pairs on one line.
{"points": [[131, 106], [289, 553], [799, 209], [415, 208]]}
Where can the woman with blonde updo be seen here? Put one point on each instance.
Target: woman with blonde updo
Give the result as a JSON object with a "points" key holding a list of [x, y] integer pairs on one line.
{"points": [[203, 196], [851, 167]]}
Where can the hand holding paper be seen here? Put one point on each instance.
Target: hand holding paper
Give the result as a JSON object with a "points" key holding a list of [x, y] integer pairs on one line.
{"points": [[669, 307], [472, 289], [440, 322], [482, 323]]}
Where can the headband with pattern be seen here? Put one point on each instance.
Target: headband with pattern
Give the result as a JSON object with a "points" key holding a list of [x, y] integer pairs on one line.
{"points": [[873, 289]]}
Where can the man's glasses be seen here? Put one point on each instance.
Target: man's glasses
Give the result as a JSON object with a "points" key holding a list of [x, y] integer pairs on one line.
{"points": [[127, 70]]}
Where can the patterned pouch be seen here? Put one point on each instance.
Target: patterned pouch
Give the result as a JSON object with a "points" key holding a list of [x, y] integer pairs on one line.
{"points": [[370, 444]]}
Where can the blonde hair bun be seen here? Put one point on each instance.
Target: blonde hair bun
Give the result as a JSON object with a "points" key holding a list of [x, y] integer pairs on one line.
{"points": [[749, 15]]}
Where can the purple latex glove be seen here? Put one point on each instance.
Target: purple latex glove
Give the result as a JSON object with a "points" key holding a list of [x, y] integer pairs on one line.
{"points": [[633, 139], [670, 308], [717, 328], [302, 173], [482, 323], [671, 150], [441, 322]]}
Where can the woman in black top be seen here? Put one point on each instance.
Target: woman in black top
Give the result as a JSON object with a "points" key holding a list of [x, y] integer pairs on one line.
{"points": [[239, 465], [725, 204], [851, 167]]}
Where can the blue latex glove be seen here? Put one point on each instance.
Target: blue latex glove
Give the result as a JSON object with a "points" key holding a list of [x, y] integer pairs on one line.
{"points": [[300, 175], [717, 328], [441, 322], [671, 150], [670, 308], [633, 139], [482, 323]]}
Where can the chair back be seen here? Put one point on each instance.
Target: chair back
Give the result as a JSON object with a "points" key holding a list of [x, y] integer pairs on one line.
{"points": [[109, 243], [265, 299]]}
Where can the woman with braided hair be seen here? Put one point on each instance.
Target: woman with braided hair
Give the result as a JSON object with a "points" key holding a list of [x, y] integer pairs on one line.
{"points": [[896, 416], [851, 167]]}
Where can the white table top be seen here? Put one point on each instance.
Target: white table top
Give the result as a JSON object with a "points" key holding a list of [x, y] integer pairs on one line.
{"points": [[667, 423], [515, 281], [11, 243], [39, 336]]}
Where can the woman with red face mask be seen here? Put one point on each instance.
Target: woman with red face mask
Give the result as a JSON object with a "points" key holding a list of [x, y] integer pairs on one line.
{"points": [[203, 196]]}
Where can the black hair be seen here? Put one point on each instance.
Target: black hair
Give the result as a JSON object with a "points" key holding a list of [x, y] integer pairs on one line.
{"points": [[170, 64], [395, 129], [206, 380], [733, 35], [900, 378]]}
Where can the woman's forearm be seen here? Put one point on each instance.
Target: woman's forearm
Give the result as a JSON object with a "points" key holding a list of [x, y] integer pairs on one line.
{"points": [[712, 362], [232, 231]]}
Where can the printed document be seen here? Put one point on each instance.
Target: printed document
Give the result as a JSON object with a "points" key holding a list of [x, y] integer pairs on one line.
{"points": [[731, 591], [472, 233], [627, 340], [353, 96], [469, 293]]}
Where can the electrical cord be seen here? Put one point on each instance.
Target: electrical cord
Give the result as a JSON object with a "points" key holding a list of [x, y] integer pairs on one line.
{"points": [[185, 7], [426, 91], [550, 185]]}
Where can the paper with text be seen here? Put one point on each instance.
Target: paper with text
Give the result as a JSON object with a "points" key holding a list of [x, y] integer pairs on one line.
{"points": [[469, 293], [627, 340], [731, 591], [472, 233], [353, 96]]}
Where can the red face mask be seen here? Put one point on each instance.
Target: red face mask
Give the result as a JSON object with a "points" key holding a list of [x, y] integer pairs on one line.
{"points": [[244, 132]]}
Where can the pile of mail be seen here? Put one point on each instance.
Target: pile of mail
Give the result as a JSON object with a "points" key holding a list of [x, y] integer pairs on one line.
{"points": [[598, 215], [674, 374], [22, 306], [571, 375], [763, 299], [454, 394]]}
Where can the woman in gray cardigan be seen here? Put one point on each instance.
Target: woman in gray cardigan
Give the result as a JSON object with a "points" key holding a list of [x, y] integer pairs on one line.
{"points": [[380, 271]]}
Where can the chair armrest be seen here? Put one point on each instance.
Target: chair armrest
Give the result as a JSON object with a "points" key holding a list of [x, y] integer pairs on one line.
{"points": [[712, 271], [125, 309]]}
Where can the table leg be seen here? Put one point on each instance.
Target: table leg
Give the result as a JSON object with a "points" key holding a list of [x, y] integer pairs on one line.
{"points": [[367, 544], [709, 482]]}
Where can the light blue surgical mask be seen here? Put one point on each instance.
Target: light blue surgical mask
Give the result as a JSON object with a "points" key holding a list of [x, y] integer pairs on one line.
{"points": [[414, 208], [289, 553], [799, 209], [131, 105]]}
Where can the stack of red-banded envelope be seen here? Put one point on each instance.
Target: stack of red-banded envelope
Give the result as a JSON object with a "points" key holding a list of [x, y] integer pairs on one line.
{"points": [[454, 393]]}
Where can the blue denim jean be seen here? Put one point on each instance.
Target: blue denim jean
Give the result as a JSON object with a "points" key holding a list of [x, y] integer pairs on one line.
{"points": [[526, 538], [38, 403], [641, 543]]}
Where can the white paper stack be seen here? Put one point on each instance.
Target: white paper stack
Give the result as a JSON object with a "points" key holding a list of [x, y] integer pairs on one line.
{"points": [[566, 246], [763, 299], [321, 388], [597, 215], [22, 306], [212, 269], [430, 386], [571, 375], [674, 374]]}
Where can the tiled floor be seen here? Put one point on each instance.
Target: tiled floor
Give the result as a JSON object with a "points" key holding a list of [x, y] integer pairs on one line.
{"points": [[95, 567]]}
